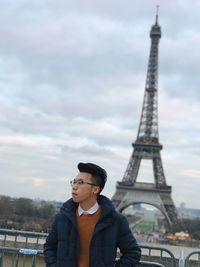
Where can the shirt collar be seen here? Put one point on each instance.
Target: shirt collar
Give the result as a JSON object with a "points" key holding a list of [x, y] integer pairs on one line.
{"points": [[92, 210]]}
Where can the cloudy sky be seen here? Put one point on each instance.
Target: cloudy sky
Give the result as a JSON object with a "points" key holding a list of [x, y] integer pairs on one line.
{"points": [[72, 79]]}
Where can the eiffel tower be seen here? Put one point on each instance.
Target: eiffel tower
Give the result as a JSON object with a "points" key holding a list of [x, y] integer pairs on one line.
{"points": [[147, 146]]}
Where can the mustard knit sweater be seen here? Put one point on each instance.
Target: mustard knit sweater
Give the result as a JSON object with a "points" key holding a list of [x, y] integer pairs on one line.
{"points": [[86, 224]]}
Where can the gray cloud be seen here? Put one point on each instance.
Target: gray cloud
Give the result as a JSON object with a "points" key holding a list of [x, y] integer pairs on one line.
{"points": [[72, 78]]}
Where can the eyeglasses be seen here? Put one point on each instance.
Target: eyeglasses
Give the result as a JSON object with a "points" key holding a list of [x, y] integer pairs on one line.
{"points": [[80, 182]]}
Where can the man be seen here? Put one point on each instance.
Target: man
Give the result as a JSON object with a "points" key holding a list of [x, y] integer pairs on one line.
{"points": [[88, 231]]}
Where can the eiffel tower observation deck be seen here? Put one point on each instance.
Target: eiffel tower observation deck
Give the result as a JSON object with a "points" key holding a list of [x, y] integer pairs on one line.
{"points": [[148, 147]]}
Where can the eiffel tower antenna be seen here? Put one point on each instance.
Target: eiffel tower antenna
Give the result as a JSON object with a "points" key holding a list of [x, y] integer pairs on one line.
{"points": [[157, 11], [148, 147]]}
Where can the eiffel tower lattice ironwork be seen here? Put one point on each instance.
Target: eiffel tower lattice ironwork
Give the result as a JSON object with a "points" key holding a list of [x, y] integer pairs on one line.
{"points": [[147, 146]]}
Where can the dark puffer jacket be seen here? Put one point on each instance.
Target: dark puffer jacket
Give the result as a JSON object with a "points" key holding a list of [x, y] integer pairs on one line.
{"points": [[111, 232]]}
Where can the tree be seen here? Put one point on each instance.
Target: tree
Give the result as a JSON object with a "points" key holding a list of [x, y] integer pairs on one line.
{"points": [[25, 207], [6, 208], [46, 210]]}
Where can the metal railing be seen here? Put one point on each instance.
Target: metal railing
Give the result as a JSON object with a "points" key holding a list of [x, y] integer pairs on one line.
{"points": [[18, 245], [192, 259], [23, 257], [159, 254], [13, 257], [149, 264], [27, 239]]}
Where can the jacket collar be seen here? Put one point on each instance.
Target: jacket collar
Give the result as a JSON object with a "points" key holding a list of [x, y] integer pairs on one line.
{"points": [[107, 209], [91, 211]]}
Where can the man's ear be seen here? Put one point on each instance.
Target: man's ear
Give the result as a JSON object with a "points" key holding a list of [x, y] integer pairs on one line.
{"points": [[96, 190]]}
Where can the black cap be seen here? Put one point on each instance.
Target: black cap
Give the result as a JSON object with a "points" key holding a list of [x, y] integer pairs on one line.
{"points": [[94, 170]]}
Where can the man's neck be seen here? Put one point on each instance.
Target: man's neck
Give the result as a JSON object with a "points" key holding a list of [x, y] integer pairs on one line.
{"points": [[87, 205]]}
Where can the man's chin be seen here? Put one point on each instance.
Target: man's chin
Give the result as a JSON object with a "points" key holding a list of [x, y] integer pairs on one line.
{"points": [[75, 199]]}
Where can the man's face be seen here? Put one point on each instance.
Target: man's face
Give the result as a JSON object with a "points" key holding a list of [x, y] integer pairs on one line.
{"points": [[83, 189]]}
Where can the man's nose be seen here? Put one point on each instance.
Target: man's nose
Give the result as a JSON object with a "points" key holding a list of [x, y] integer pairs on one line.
{"points": [[74, 187]]}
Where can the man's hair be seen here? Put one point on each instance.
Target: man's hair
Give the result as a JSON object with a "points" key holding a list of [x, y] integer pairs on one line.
{"points": [[99, 175]]}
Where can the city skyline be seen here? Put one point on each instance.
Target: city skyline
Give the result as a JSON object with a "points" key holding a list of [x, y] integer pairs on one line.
{"points": [[72, 84]]}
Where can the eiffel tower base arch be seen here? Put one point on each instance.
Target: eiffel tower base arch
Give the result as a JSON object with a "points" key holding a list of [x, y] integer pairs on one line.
{"points": [[147, 193]]}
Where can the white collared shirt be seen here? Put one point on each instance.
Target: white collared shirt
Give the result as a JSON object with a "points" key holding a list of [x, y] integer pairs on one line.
{"points": [[92, 210]]}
